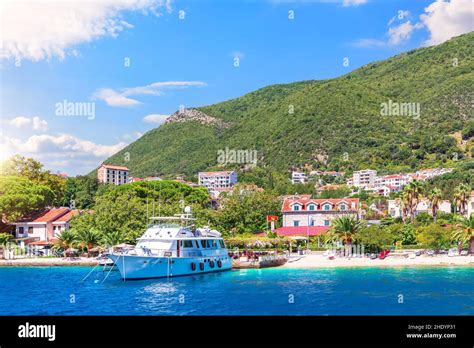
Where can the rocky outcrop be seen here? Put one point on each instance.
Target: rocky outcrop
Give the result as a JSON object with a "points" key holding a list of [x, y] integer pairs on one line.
{"points": [[187, 115]]}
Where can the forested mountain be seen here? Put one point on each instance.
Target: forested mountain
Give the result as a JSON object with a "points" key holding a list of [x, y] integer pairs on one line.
{"points": [[347, 123]]}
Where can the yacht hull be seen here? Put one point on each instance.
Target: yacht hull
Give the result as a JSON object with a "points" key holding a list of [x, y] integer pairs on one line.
{"points": [[133, 267]]}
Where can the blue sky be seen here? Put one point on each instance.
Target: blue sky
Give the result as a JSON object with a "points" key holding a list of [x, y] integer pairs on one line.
{"points": [[186, 61]]}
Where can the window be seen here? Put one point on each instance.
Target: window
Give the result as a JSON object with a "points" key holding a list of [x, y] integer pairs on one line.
{"points": [[187, 243], [343, 207], [30, 229], [213, 244], [327, 207], [296, 207], [311, 207], [204, 244], [221, 242], [197, 243], [20, 230], [326, 222], [296, 223], [311, 222]]}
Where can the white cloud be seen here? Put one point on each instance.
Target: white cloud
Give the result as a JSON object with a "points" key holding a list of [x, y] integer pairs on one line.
{"points": [[445, 20], [36, 123], [59, 151], [122, 97], [347, 3], [62, 145], [20, 122], [39, 124], [401, 15], [401, 33], [155, 118], [43, 29], [368, 43], [114, 98]]}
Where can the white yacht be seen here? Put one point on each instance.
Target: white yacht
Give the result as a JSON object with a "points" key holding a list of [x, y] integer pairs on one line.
{"points": [[172, 246]]}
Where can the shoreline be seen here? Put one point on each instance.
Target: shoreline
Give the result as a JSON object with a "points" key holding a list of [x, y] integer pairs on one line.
{"points": [[46, 262], [319, 261], [308, 261]]}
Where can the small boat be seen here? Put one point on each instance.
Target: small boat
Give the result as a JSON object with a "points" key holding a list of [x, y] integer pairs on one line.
{"points": [[171, 247]]}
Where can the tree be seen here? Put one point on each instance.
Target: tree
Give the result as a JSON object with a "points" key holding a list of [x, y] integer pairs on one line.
{"points": [[31, 169], [464, 231], [435, 197], [67, 239], [113, 238], [374, 238], [5, 238], [245, 210], [433, 236], [88, 238], [413, 192], [19, 196], [80, 191], [461, 196], [346, 227]]}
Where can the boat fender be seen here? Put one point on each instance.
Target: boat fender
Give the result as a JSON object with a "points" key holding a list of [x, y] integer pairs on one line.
{"points": [[201, 266], [219, 263], [211, 263], [193, 266]]}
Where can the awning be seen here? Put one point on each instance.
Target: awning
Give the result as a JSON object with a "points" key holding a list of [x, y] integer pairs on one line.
{"points": [[305, 231], [42, 243]]}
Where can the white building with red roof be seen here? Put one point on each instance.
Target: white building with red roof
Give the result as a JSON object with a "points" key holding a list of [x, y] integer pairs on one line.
{"points": [[304, 211], [110, 174], [218, 181], [43, 226]]}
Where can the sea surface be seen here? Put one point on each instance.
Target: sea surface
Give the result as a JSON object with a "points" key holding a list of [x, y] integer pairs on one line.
{"points": [[273, 291]]}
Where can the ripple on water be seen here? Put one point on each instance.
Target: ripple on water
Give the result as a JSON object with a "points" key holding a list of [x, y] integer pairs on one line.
{"points": [[277, 291]]}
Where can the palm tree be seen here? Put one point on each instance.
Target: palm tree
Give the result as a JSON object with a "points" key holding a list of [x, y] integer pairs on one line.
{"points": [[435, 197], [465, 231], [413, 194], [88, 238], [65, 240], [461, 196], [113, 238], [345, 227], [4, 238], [405, 205]]}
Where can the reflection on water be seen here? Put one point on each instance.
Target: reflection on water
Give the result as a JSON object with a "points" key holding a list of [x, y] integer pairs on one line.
{"points": [[276, 291]]}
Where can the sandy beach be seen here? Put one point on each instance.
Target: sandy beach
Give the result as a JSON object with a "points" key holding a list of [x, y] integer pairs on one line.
{"points": [[56, 261], [320, 261], [301, 261]]}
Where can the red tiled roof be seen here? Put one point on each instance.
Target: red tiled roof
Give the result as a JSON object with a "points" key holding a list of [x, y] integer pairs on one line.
{"points": [[304, 200], [394, 176], [216, 173], [68, 216], [300, 231], [44, 215], [110, 166]]}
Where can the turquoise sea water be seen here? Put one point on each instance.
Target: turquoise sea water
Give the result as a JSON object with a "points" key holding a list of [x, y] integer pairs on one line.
{"points": [[351, 291]]}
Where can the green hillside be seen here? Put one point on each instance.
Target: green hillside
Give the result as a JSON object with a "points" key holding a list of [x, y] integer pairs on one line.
{"points": [[330, 118]]}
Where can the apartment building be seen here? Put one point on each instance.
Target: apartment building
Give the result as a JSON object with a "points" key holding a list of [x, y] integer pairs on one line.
{"points": [[217, 180], [110, 174]]}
